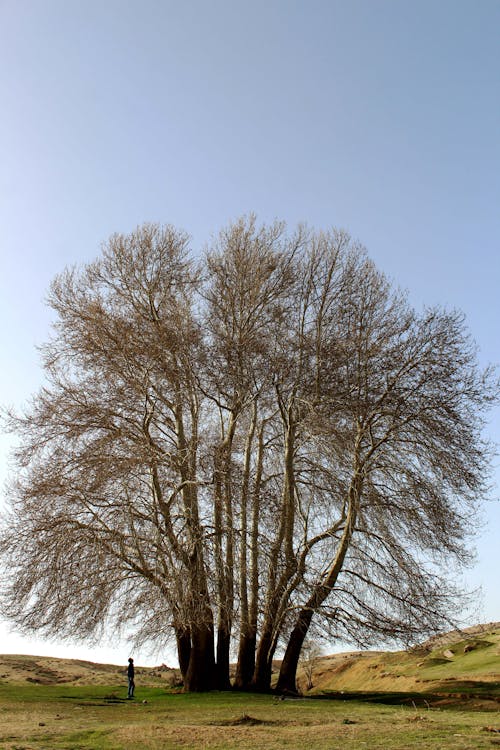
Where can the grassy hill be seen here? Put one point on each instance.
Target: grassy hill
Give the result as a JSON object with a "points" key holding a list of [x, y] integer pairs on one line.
{"points": [[461, 662], [47, 670]]}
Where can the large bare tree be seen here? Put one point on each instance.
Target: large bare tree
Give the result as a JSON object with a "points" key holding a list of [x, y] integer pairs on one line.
{"points": [[236, 450]]}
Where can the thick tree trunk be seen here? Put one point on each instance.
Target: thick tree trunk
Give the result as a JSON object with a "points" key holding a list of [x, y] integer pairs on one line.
{"points": [[223, 681], [261, 680], [183, 638], [200, 674], [246, 661], [288, 672]]}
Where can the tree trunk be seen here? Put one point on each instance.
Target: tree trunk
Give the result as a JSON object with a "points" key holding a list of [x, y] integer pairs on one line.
{"points": [[288, 672], [224, 553], [183, 638], [261, 680], [246, 660], [223, 681], [279, 573], [200, 674]]}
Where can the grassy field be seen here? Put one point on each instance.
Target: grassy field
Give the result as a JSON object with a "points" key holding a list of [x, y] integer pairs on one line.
{"points": [[97, 717], [444, 696]]}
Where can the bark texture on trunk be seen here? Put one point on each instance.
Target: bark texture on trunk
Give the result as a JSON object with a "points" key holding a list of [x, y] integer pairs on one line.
{"points": [[261, 680], [246, 661], [223, 681], [287, 680], [200, 674], [183, 638]]}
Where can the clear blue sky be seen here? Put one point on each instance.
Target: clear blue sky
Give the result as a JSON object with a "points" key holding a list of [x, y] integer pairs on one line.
{"points": [[378, 116]]}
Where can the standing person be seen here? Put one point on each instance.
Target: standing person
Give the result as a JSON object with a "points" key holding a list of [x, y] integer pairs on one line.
{"points": [[130, 675]]}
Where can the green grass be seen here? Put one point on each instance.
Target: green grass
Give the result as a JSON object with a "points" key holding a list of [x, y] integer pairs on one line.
{"points": [[60, 717]]}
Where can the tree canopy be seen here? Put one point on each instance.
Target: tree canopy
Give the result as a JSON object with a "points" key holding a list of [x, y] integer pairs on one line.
{"points": [[234, 449]]}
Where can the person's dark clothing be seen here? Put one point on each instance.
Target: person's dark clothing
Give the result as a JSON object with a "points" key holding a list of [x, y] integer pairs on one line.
{"points": [[131, 682]]}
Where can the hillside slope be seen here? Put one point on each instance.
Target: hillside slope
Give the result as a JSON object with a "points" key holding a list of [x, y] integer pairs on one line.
{"points": [[47, 670], [466, 662]]}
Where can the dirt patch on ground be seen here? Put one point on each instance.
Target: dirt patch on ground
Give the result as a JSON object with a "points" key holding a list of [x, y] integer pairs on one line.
{"points": [[243, 721]]}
